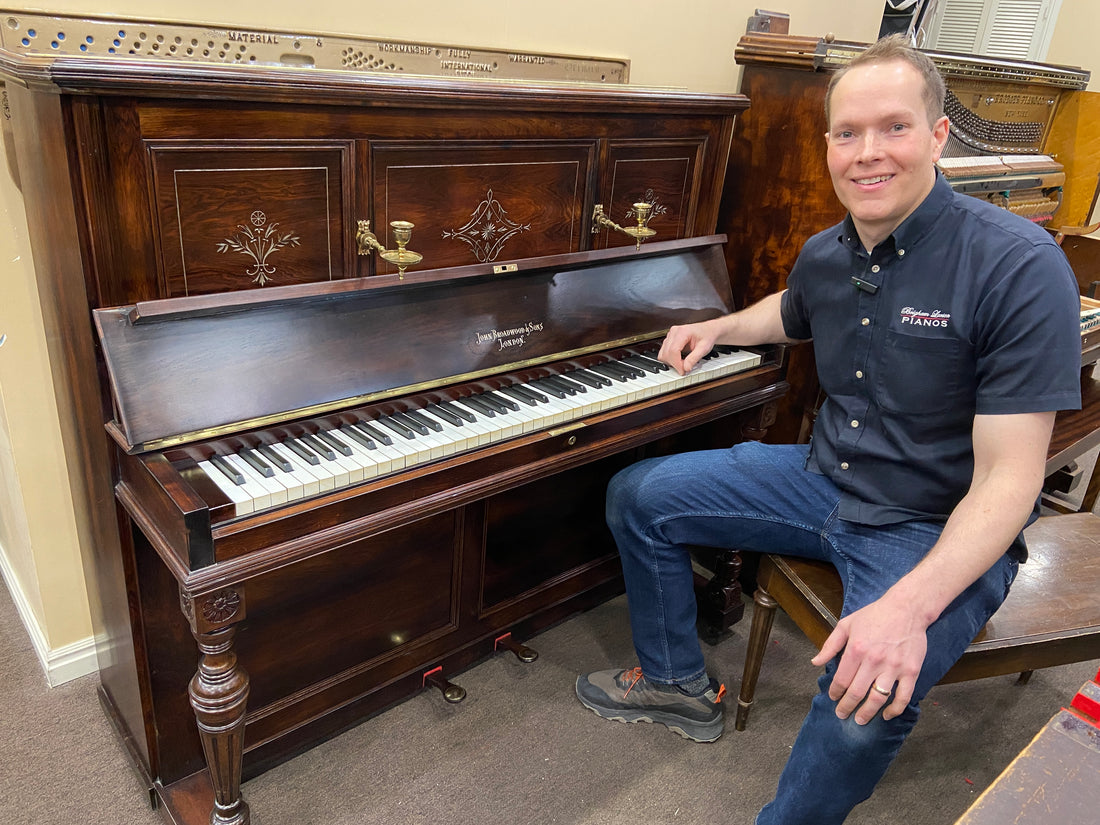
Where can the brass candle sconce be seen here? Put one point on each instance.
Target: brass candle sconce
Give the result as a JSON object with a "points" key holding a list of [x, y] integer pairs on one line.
{"points": [[401, 257], [642, 213]]}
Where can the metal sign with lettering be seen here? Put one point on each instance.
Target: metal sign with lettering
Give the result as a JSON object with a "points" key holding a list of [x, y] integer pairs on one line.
{"points": [[37, 33]]}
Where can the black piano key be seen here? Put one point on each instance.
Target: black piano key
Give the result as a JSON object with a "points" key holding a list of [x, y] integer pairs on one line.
{"points": [[397, 427], [569, 382], [375, 433], [628, 371], [335, 443], [647, 364], [501, 399], [549, 389], [231, 472], [424, 420], [455, 409], [539, 397], [593, 381], [478, 405], [607, 372], [554, 381], [358, 436], [411, 423], [275, 458], [521, 394], [446, 415], [257, 463], [494, 404], [587, 374], [318, 446], [302, 451]]}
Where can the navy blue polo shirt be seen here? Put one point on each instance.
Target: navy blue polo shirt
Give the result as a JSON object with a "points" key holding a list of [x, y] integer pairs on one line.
{"points": [[965, 309]]}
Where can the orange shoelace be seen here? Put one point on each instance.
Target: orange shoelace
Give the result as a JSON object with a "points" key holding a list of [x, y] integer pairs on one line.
{"points": [[635, 676]]}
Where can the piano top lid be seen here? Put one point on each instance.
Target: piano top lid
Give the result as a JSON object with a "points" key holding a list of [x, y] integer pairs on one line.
{"points": [[188, 369]]}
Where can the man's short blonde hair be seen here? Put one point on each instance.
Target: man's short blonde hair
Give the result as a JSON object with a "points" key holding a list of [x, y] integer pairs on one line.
{"points": [[898, 47]]}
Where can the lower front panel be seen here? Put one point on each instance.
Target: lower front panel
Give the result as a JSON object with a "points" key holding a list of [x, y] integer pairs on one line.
{"points": [[330, 638]]}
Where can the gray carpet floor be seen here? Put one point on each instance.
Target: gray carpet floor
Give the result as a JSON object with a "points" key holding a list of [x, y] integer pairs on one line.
{"points": [[520, 749]]}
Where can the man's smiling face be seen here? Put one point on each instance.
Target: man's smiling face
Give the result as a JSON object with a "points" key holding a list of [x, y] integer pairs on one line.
{"points": [[882, 150]]}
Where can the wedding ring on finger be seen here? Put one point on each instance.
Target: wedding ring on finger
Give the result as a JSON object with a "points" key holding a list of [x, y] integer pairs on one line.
{"points": [[880, 691]]}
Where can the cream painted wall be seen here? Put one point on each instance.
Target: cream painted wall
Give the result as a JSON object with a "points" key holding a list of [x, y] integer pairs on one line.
{"points": [[690, 47], [1074, 40], [37, 527]]}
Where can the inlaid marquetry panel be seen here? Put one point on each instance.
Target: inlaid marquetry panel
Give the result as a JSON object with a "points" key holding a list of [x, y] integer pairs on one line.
{"points": [[249, 216], [658, 172], [480, 203]]}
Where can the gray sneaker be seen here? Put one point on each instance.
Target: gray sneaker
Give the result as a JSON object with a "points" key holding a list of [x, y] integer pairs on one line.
{"points": [[626, 696]]}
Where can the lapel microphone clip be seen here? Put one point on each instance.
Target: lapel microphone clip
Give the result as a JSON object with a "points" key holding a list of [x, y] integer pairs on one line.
{"points": [[870, 289]]}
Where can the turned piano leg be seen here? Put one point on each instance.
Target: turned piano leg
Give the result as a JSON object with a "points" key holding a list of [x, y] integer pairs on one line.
{"points": [[219, 695]]}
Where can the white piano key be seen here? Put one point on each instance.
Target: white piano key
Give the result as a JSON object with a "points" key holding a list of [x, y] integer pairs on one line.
{"points": [[357, 453], [326, 480], [276, 490], [502, 426], [296, 485], [259, 494], [463, 437], [242, 502], [310, 484]]}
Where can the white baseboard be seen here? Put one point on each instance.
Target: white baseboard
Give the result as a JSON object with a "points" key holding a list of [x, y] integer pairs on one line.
{"points": [[63, 664]]}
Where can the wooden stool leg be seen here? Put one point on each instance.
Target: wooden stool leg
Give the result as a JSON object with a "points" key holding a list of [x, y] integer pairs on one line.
{"points": [[763, 615]]}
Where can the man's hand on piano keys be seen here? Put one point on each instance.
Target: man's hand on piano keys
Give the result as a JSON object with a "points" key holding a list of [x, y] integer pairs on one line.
{"points": [[685, 346]]}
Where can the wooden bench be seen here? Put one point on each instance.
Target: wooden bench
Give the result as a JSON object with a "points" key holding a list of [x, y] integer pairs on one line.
{"points": [[1051, 616]]}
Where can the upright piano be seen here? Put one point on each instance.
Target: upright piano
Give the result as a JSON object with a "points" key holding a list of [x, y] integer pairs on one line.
{"points": [[360, 488], [210, 217]]}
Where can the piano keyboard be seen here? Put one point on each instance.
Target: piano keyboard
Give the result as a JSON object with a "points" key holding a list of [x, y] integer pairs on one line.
{"points": [[275, 474]]}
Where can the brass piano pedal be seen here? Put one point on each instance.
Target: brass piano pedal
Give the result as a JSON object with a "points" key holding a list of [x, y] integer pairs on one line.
{"points": [[451, 692], [523, 652]]}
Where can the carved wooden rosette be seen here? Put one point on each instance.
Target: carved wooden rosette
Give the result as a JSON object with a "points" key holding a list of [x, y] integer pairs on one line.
{"points": [[219, 695]]}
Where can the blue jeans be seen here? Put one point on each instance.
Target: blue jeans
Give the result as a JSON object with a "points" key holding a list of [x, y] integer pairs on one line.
{"points": [[758, 497]]}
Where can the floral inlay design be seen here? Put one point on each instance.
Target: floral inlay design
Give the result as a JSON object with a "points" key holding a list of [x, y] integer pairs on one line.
{"points": [[651, 198], [487, 230], [259, 243]]}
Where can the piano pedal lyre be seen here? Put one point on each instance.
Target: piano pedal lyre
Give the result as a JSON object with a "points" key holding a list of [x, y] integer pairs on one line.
{"points": [[451, 692], [523, 652]]}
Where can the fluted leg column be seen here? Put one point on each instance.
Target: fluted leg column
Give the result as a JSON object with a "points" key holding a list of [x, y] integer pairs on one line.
{"points": [[219, 695]]}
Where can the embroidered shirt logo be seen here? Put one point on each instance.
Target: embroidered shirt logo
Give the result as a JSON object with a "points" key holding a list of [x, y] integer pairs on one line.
{"points": [[924, 317]]}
